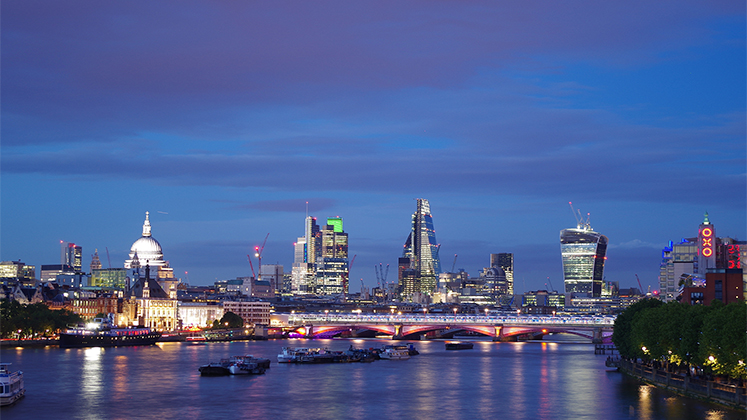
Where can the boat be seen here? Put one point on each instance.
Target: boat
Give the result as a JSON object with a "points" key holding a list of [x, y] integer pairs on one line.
{"points": [[101, 333], [395, 353], [458, 345], [11, 385], [236, 365], [248, 364], [291, 355], [214, 369], [317, 356]]}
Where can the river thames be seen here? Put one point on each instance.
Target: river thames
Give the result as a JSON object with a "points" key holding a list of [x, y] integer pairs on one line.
{"points": [[531, 380]]}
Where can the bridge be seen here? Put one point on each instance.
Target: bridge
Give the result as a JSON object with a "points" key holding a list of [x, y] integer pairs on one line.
{"points": [[414, 326]]}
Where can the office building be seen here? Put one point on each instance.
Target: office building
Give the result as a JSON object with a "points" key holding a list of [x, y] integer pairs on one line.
{"points": [[72, 255], [320, 263], [421, 248], [697, 256], [584, 253]]}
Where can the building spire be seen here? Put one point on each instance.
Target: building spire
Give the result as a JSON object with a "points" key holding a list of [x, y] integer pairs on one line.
{"points": [[705, 220], [146, 225]]}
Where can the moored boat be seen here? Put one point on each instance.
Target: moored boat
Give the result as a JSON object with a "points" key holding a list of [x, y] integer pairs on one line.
{"points": [[395, 353], [214, 369], [459, 345], [101, 333], [12, 387]]}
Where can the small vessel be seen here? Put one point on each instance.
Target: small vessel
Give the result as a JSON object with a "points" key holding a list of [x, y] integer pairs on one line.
{"points": [[236, 365], [12, 388], [246, 365], [291, 355], [459, 345], [101, 333], [395, 353], [214, 369]]}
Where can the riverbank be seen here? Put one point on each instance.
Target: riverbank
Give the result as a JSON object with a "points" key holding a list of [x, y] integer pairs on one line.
{"points": [[724, 394]]}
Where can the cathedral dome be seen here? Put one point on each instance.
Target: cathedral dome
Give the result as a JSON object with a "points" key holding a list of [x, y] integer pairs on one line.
{"points": [[145, 250], [146, 246]]}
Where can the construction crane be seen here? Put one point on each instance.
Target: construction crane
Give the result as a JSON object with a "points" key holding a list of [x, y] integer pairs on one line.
{"points": [[580, 222], [454, 264], [639, 283], [362, 288], [345, 279], [257, 253], [107, 257], [548, 280]]}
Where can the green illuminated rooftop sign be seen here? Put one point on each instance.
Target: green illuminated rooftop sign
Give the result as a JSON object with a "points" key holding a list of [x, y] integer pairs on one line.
{"points": [[336, 222]]}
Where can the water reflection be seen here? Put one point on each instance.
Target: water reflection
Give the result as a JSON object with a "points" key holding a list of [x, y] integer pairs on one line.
{"points": [[91, 384], [494, 380]]}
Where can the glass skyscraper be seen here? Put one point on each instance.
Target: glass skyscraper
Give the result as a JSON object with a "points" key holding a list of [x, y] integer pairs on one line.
{"points": [[584, 253], [422, 249]]}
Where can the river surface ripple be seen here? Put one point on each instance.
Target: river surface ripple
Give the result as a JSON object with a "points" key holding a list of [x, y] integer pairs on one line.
{"points": [[532, 380]]}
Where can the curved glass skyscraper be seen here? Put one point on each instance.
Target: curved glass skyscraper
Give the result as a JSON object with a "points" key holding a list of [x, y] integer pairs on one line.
{"points": [[584, 253]]}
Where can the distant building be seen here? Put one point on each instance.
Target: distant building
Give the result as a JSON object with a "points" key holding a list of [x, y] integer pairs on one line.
{"points": [[72, 255], [421, 250], [17, 270], [252, 312], [505, 261], [320, 264], [584, 253], [95, 261], [543, 299], [698, 256], [199, 314], [146, 250], [109, 278], [49, 272]]}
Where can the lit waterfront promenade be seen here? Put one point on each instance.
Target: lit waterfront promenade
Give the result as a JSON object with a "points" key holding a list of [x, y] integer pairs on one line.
{"points": [[499, 327]]}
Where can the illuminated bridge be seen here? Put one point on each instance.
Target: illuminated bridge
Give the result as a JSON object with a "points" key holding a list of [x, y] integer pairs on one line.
{"points": [[413, 327]]}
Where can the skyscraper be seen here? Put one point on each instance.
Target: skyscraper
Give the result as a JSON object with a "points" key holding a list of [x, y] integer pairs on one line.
{"points": [[505, 261], [584, 253], [422, 249], [332, 260], [72, 255], [320, 263]]}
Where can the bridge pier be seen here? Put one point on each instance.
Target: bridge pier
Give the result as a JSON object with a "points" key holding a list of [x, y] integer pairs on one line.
{"points": [[309, 331], [500, 337], [597, 336]]}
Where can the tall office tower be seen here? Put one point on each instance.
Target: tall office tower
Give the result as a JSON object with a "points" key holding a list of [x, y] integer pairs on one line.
{"points": [[584, 253], [95, 261], [72, 255], [332, 260], [505, 261], [304, 258], [422, 249]]}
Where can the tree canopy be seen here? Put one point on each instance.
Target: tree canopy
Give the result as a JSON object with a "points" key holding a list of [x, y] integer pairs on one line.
{"points": [[229, 320], [24, 321], [711, 337]]}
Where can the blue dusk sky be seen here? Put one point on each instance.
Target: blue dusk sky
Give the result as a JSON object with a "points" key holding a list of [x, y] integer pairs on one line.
{"points": [[222, 119]]}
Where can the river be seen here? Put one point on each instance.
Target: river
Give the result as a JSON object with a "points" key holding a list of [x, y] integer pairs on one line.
{"points": [[530, 380]]}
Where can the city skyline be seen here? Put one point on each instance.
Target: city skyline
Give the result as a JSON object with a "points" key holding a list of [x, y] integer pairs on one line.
{"points": [[223, 120]]}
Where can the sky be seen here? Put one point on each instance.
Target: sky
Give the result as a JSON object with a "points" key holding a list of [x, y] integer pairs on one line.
{"points": [[223, 119]]}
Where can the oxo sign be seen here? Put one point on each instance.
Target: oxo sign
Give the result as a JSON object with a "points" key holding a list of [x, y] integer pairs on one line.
{"points": [[706, 241]]}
